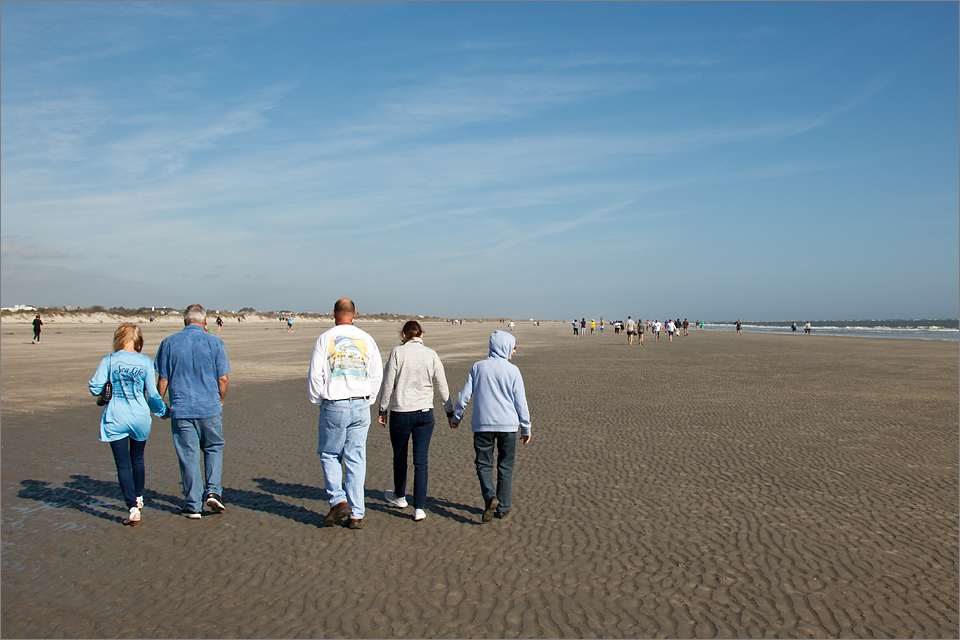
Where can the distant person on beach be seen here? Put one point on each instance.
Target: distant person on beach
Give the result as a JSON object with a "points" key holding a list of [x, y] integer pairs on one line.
{"points": [[412, 374], [511, 326], [344, 379], [671, 329], [656, 329], [593, 327], [219, 324], [193, 365], [601, 325], [583, 327], [640, 331], [499, 409], [739, 327], [686, 325], [576, 327], [631, 329], [126, 421], [793, 327], [37, 323], [289, 324], [806, 329]]}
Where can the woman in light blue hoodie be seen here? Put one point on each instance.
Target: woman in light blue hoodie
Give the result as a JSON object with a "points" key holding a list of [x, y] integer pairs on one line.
{"points": [[500, 408]]}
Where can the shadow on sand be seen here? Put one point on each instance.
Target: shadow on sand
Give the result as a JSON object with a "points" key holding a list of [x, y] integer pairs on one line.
{"points": [[84, 494], [445, 508], [88, 495]]}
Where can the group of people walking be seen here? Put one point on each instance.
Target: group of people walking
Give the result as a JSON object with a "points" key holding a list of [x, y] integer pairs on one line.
{"points": [[634, 329], [345, 378], [806, 328]]}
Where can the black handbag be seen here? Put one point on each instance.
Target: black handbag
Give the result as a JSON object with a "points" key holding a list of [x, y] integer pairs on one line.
{"points": [[107, 392]]}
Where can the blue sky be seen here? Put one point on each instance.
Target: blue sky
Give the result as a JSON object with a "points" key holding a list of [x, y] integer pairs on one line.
{"points": [[711, 161]]}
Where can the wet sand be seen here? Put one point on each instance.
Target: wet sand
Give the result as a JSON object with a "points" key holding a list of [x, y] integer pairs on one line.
{"points": [[718, 486]]}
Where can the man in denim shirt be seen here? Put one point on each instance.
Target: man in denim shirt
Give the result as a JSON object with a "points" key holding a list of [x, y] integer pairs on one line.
{"points": [[194, 365]]}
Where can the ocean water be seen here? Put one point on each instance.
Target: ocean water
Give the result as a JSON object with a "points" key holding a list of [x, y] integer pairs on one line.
{"points": [[915, 329]]}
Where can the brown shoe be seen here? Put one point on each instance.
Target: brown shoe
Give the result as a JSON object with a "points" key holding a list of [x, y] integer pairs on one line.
{"points": [[492, 505], [337, 513], [355, 524]]}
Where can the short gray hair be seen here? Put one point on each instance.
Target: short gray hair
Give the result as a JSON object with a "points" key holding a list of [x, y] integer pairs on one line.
{"points": [[194, 314]]}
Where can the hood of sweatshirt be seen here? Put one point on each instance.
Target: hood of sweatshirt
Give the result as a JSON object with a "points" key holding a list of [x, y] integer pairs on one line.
{"points": [[501, 345]]}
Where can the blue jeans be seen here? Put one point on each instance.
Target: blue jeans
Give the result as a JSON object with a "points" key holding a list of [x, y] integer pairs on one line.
{"points": [[419, 424], [190, 437], [343, 440], [506, 442], [128, 454]]}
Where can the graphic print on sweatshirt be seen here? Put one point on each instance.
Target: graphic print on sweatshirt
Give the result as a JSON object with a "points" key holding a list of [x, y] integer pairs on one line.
{"points": [[348, 358]]}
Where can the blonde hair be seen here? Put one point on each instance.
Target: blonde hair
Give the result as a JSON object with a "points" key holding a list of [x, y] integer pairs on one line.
{"points": [[124, 334]]}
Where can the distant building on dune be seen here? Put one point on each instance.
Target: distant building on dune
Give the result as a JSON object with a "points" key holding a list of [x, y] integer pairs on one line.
{"points": [[164, 310]]}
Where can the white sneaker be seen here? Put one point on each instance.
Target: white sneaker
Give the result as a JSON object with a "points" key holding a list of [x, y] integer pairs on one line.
{"points": [[419, 515], [134, 518], [397, 502]]}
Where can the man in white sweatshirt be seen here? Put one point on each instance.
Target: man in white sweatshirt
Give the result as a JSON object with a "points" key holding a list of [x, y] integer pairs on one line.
{"points": [[344, 379], [499, 410]]}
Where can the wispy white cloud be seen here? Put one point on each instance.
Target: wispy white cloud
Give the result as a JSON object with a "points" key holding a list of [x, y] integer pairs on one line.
{"points": [[560, 226], [488, 97], [53, 128], [662, 60], [164, 147], [181, 87], [12, 249], [872, 90]]}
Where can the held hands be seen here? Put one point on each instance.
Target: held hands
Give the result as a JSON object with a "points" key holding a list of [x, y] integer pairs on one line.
{"points": [[453, 425]]}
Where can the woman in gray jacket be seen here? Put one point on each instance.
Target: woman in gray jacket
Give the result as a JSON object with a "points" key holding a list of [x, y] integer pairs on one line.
{"points": [[411, 376]]}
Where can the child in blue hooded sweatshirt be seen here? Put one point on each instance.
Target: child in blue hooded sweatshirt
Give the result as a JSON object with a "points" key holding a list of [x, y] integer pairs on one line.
{"points": [[500, 408]]}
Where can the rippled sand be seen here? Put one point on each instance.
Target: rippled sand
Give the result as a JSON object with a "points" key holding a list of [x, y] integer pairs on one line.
{"points": [[718, 486]]}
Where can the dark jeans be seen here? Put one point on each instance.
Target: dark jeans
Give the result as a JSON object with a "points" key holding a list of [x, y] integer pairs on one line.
{"points": [[418, 424], [128, 454], [506, 442]]}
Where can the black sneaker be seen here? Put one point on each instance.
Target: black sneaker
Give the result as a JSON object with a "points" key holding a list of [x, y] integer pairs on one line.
{"points": [[215, 503], [190, 513], [501, 514]]}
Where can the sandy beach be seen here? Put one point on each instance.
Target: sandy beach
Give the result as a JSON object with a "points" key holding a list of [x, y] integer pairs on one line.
{"points": [[716, 486]]}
